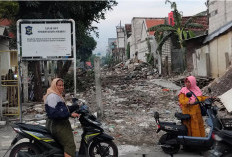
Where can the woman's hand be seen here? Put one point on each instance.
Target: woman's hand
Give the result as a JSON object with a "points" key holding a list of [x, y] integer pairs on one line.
{"points": [[191, 101], [74, 115]]}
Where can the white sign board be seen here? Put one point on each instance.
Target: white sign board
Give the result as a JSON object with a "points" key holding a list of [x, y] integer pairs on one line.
{"points": [[46, 39], [226, 100]]}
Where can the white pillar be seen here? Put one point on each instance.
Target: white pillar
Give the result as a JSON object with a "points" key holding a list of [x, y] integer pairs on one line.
{"points": [[98, 86], [25, 80], [0, 91]]}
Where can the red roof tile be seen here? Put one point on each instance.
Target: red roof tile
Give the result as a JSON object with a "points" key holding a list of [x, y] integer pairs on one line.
{"points": [[5, 22], [198, 19], [153, 22]]}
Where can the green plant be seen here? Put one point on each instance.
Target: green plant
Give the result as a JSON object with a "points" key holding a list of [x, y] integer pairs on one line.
{"points": [[182, 30]]}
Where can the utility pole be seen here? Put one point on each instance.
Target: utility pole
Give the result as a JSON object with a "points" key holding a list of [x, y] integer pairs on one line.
{"points": [[0, 93], [98, 87]]}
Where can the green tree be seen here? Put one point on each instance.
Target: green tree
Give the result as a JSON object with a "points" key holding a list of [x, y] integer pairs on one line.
{"points": [[83, 12], [182, 30]]}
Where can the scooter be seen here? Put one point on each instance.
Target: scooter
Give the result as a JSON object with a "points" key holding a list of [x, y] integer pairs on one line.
{"points": [[41, 143], [223, 143], [176, 134]]}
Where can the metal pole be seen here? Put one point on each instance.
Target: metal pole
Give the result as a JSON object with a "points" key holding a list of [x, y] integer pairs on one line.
{"points": [[0, 91], [75, 59], [20, 91], [19, 46], [98, 86]]}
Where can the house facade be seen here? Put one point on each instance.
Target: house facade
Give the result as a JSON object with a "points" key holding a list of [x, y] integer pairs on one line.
{"points": [[218, 43], [147, 42], [4, 46], [141, 40]]}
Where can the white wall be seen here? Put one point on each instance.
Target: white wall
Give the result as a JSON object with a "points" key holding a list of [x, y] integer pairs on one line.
{"points": [[136, 26], [220, 13], [5, 56], [200, 61]]}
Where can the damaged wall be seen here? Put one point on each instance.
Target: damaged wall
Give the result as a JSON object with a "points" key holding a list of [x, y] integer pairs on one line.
{"points": [[219, 59], [220, 54], [201, 61]]}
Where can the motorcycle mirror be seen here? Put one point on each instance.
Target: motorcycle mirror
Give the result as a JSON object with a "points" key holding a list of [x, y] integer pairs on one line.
{"points": [[209, 90], [156, 115], [189, 94]]}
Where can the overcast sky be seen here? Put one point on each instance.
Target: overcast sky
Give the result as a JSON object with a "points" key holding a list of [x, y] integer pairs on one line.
{"points": [[127, 9]]}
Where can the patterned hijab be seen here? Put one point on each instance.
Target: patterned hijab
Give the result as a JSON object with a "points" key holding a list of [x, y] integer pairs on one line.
{"points": [[194, 88], [53, 89]]}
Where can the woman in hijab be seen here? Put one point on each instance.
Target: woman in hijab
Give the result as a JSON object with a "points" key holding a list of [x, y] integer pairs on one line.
{"points": [[195, 124], [58, 114]]}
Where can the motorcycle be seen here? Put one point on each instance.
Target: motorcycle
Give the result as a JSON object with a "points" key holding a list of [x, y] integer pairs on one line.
{"points": [[176, 134], [41, 143], [223, 142]]}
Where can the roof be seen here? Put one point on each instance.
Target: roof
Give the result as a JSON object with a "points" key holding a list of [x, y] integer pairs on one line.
{"points": [[198, 19], [5, 22], [154, 22], [218, 32]]}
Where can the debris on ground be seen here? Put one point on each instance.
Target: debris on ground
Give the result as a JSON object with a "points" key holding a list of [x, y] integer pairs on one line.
{"points": [[131, 93]]}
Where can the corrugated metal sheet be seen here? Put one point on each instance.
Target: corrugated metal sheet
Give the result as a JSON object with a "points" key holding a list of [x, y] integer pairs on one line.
{"points": [[218, 32]]}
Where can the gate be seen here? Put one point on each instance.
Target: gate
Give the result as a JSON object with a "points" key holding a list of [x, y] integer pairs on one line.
{"points": [[177, 61], [10, 99]]}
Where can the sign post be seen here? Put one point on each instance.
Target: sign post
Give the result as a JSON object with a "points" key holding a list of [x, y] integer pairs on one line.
{"points": [[46, 39]]}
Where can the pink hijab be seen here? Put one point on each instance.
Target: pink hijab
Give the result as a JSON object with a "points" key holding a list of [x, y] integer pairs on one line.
{"points": [[53, 89], [194, 88]]}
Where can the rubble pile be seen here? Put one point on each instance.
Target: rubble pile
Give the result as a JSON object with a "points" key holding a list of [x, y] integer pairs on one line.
{"points": [[221, 84], [201, 81], [131, 93], [129, 102]]}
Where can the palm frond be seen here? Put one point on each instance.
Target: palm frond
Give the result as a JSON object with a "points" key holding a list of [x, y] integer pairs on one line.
{"points": [[162, 41], [177, 18], [155, 28], [194, 25], [190, 20], [191, 34], [185, 35], [34, 4]]}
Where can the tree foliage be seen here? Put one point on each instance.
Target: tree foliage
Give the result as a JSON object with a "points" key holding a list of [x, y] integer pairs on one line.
{"points": [[83, 12], [180, 29]]}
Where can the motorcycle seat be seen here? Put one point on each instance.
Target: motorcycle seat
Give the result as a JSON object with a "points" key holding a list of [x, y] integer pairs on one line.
{"points": [[181, 116], [30, 127]]}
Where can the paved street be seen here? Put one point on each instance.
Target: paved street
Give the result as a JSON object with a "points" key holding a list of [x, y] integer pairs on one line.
{"points": [[7, 134]]}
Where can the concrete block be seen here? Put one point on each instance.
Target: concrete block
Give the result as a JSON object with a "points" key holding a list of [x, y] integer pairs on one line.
{"points": [[2, 123]]}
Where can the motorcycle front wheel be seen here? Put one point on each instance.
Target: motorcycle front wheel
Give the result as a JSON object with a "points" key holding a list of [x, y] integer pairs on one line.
{"points": [[25, 147], [103, 149]]}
